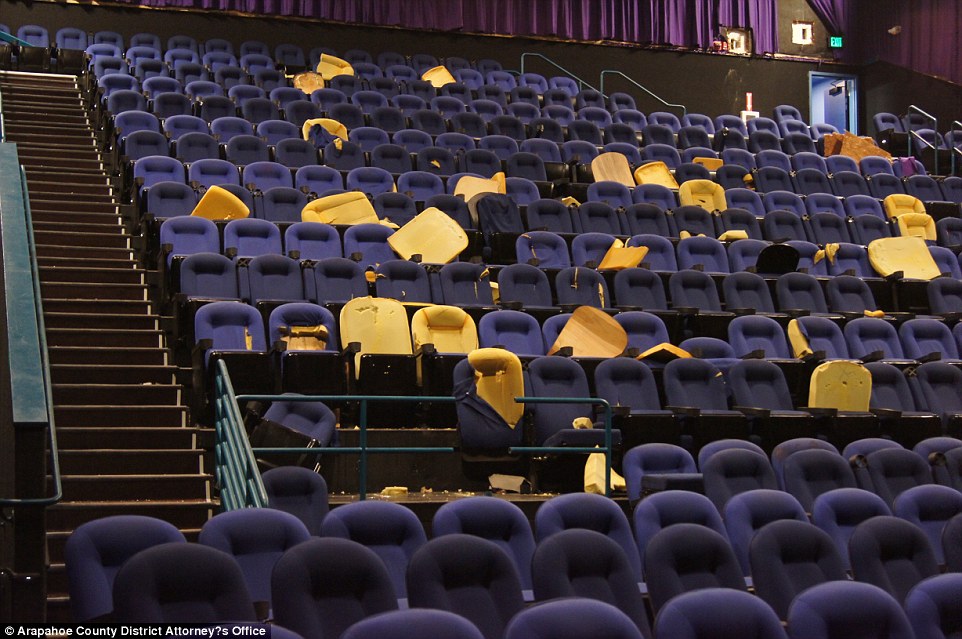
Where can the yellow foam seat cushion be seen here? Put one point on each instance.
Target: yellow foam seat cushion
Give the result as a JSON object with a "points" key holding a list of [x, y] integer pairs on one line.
{"points": [[438, 76], [704, 193], [798, 339], [898, 204], [342, 208], [378, 324], [910, 255], [219, 204], [448, 328], [842, 385], [332, 126], [655, 173], [917, 225], [432, 234], [621, 257], [712, 164], [499, 380], [330, 66]]}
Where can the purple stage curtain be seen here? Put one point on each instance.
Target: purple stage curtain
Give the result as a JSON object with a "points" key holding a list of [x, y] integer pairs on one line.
{"points": [[685, 23], [832, 13], [928, 43]]}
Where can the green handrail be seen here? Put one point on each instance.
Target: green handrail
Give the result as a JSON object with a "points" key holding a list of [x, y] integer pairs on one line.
{"points": [[912, 134], [30, 386], [12, 39], [607, 72], [581, 81], [234, 449], [235, 465]]}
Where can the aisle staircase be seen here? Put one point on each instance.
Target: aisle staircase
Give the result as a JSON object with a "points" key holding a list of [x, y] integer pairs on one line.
{"points": [[127, 444]]}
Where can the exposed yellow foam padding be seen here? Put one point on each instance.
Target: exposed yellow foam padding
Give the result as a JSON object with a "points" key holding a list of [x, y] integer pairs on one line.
{"points": [[664, 352], [840, 384], [433, 234], [704, 193], [570, 201], [798, 340], [449, 328], [620, 256], [333, 127], [655, 173], [469, 186], [379, 324], [220, 204], [590, 332], [900, 203], [733, 234], [308, 82], [712, 164], [612, 167], [348, 208], [910, 255], [595, 475], [498, 378], [438, 76], [917, 225], [329, 66]]}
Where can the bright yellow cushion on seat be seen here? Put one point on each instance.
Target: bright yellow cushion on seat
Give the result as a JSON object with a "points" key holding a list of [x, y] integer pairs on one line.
{"points": [[917, 225], [220, 205], [900, 203], [909, 255], [329, 66], [498, 378], [612, 167], [704, 193], [432, 234], [840, 384], [438, 76], [449, 328], [590, 332], [378, 324], [348, 208], [655, 173]]}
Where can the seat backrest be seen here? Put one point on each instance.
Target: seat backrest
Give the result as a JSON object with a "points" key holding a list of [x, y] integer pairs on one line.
{"points": [[393, 532], [839, 608], [586, 563], [467, 575], [496, 520], [178, 582], [525, 284], [323, 586], [660, 510], [733, 471], [894, 470], [256, 538], [891, 553], [96, 550], [748, 512], [840, 510], [750, 333], [694, 289], [685, 557], [515, 331], [813, 472], [929, 507], [379, 324], [590, 511], [759, 384], [556, 377]]}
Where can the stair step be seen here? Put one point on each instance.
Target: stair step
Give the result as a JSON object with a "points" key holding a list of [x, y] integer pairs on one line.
{"points": [[106, 228], [146, 486], [105, 416], [116, 394], [106, 216], [66, 251], [68, 262], [94, 337], [42, 204], [98, 240], [67, 190], [87, 275], [101, 321], [129, 462], [187, 513], [97, 291], [104, 355], [130, 437], [87, 306], [41, 159]]}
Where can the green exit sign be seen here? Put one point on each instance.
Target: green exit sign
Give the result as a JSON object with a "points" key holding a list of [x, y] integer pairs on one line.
{"points": [[835, 42]]}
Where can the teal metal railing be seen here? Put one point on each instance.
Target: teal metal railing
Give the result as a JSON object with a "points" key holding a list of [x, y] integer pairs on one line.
{"points": [[12, 39], [581, 81], [615, 72], [235, 466], [236, 462], [914, 135], [30, 386]]}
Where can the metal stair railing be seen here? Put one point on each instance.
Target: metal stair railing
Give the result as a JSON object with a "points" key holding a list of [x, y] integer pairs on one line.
{"points": [[609, 72]]}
